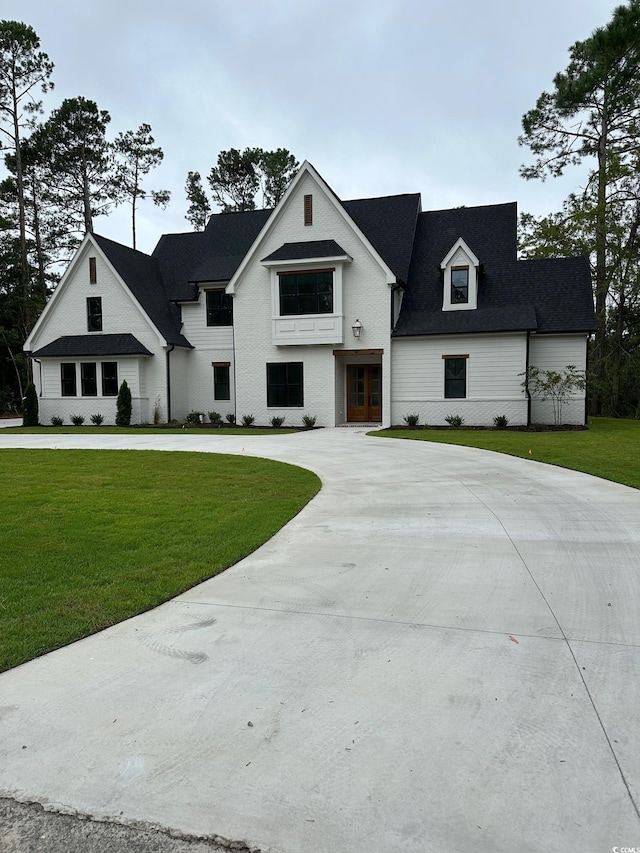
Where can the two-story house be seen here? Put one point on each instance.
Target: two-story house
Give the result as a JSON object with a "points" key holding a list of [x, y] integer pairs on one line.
{"points": [[350, 311]]}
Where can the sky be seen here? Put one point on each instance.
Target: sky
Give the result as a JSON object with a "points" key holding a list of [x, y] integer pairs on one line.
{"points": [[382, 96]]}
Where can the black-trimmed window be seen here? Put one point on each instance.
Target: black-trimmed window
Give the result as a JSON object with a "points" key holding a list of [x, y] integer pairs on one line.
{"points": [[284, 384], [88, 383], [306, 292], [109, 378], [219, 308], [68, 379], [94, 314], [459, 285], [455, 377], [221, 384]]}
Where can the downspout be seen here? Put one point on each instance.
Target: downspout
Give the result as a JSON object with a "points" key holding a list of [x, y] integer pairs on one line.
{"points": [[526, 381], [169, 351], [586, 391], [39, 363], [233, 350]]}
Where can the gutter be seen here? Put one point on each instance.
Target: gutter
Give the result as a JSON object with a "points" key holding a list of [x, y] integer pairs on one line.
{"points": [[169, 351], [39, 363]]}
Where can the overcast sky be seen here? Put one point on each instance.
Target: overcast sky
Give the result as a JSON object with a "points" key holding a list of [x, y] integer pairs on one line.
{"points": [[382, 96]]}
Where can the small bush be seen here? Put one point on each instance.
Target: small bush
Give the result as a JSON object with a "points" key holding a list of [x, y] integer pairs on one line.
{"points": [[97, 420], [309, 421], [56, 421], [277, 421], [501, 422], [248, 420], [30, 406], [411, 420], [123, 406], [195, 417], [230, 418], [215, 417], [77, 420], [455, 420]]}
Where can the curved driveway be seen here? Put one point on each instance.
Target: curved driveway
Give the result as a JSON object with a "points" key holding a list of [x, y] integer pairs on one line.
{"points": [[439, 653]]}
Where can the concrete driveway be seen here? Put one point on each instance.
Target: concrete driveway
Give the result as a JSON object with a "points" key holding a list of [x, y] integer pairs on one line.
{"points": [[440, 653]]}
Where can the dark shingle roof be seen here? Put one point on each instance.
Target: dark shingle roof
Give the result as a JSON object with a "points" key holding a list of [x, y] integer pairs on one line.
{"points": [[92, 345], [309, 249], [142, 276], [542, 296], [389, 223], [210, 255]]}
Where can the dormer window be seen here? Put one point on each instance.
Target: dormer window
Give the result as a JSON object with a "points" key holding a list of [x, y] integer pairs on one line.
{"points": [[459, 285], [460, 278]]}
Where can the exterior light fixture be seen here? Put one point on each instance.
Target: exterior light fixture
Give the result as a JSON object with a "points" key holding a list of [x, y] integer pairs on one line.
{"points": [[357, 329]]}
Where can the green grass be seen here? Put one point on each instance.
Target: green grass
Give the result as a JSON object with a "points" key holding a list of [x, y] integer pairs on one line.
{"points": [[610, 448], [89, 538]]}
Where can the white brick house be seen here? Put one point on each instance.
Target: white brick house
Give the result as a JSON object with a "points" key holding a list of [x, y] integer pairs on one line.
{"points": [[353, 312]]}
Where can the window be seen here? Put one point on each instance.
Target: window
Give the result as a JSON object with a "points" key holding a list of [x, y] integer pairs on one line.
{"points": [[94, 314], [88, 380], [306, 293], [219, 308], [221, 386], [68, 379], [93, 275], [459, 285], [455, 377], [284, 384], [109, 379], [308, 210]]}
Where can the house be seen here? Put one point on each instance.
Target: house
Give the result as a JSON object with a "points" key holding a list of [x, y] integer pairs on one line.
{"points": [[351, 311]]}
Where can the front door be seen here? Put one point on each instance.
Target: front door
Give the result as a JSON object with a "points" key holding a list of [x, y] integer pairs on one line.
{"points": [[364, 393]]}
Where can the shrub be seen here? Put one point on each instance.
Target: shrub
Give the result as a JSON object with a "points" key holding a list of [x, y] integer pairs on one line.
{"points": [[501, 422], [30, 406], [123, 406], [411, 420], [248, 420], [557, 386], [277, 421], [77, 420], [195, 417], [454, 420], [230, 418], [309, 421], [215, 417], [56, 421], [97, 420]]}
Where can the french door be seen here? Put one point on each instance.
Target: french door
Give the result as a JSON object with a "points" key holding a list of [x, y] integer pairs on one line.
{"points": [[364, 393]]}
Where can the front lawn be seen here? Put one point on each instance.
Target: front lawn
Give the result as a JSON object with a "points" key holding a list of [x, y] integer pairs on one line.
{"points": [[610, 448], [89, 538]]}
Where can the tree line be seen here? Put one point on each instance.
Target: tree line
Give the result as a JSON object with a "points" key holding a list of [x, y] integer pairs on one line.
{"points": [[591, 116], [63, 172]]}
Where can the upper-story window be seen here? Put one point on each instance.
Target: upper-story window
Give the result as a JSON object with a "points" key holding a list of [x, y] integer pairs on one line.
{"points": [[306, 292], [219, 308], [460, 278], [459, 285], [94, 314]]}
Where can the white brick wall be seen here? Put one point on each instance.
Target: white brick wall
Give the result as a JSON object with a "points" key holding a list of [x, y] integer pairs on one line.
{"points": [[67, 315], [366, 296]]}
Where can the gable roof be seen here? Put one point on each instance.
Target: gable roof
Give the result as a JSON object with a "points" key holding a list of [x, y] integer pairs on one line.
{"points": [[544, 296], [93, 345], [142, 276], [210, 255]]}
